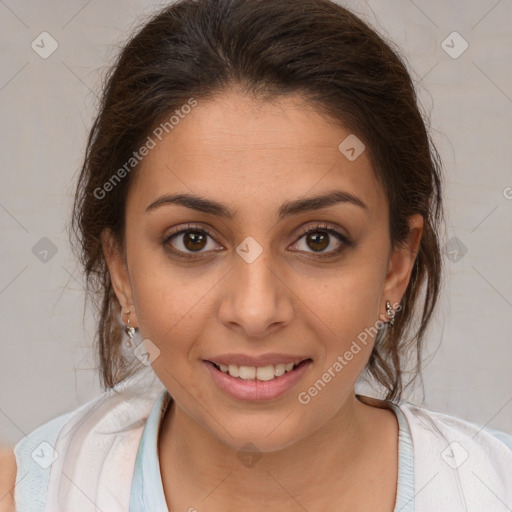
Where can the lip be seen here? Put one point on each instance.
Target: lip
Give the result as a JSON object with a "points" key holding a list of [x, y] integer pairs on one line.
{"points": [[257, 390], [261, 360]]}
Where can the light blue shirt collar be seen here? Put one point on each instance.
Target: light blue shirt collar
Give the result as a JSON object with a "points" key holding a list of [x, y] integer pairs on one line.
{"points": [[147, 493]]}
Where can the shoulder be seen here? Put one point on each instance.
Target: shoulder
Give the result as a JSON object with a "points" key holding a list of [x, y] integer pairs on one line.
{"points": [[103, 432], [34, 454], [461, 465], [7, 479], [443, 425]]}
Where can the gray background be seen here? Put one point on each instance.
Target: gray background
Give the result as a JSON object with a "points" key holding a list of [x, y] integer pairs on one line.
{"points": [[47, 106]]}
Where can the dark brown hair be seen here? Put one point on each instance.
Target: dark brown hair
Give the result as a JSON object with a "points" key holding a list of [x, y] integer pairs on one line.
{"points": [[197, 49]]}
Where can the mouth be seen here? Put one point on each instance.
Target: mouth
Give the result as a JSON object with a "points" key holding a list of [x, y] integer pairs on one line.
{"points": [[257, 384], [262, 373]]}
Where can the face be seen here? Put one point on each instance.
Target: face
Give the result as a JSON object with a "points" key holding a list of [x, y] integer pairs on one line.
{"points": [[261, 270]]}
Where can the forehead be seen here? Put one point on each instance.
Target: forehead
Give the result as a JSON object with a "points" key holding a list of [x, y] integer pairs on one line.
{"points": [[249, 153]]}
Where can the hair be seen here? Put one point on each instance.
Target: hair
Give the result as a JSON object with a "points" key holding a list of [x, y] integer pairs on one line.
{"points": [[271, 49]]}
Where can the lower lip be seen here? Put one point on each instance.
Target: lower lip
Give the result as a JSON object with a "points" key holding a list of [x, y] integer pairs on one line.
{"points": [[257, 390]]}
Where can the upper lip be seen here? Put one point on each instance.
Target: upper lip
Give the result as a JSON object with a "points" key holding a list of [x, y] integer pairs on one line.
{"points": [[261, 360]]}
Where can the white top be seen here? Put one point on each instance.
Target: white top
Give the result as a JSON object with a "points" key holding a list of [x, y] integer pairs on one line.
{"points": [[103, 456]]}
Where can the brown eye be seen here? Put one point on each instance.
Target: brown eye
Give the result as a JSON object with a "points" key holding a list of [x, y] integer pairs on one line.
{"points": [[318, 239], [194, 240], [190, 240]]}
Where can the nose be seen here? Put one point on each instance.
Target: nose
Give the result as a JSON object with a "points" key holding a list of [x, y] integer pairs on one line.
{"points": [[255, 298]]}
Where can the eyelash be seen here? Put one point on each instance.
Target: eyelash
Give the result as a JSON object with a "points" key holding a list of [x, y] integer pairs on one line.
{"points": [[345, 242]]}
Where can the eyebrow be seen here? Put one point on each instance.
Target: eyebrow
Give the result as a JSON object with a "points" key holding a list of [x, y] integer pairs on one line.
{"points": [[287, 209]]}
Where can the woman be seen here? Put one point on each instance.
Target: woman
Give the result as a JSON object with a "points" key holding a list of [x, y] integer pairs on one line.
{"points": [[259, 206]]}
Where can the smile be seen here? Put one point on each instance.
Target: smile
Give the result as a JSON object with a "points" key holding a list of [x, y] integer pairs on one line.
{"points": [[257, 383], [268, 372]]}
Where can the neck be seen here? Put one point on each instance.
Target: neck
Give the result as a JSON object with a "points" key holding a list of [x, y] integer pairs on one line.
{"points": [[196, 462]]}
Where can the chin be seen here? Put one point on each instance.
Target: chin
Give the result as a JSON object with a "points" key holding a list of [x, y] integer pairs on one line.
{"points": [[260, 436]]}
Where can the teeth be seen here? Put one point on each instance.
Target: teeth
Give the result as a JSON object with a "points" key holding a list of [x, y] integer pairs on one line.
{"points": [[247, 372], [265, 372], [279, 369], [233, 370], [260, 373]]}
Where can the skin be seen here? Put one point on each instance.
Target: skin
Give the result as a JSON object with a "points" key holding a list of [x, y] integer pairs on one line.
{"points": [[253, 156], [7, 479]]}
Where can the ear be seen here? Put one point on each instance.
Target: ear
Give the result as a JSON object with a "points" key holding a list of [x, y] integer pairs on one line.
{"points": [[401, 263], [119, 276]]}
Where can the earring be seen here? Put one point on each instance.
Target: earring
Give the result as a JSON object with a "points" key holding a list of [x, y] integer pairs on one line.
{"points": [[390, 313], [130, 331]]}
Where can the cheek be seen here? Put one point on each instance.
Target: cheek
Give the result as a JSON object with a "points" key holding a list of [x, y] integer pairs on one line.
{"points": [[345, 308], [171, 301], [170, 313], [349, 311], [349, 298]]}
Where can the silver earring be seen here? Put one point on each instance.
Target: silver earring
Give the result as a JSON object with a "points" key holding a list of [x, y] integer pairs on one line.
{"points": [[130, 331], [390, 313]]}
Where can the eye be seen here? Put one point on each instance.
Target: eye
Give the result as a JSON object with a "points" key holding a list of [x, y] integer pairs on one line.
{"points": [[320, 238], [188, 241], [191, 241]]}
